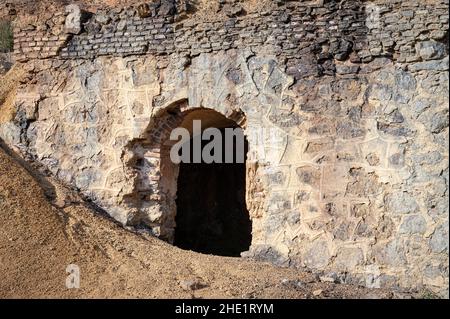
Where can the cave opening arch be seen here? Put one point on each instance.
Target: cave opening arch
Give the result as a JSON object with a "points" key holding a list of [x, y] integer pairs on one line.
{"points": [[195, 206]]}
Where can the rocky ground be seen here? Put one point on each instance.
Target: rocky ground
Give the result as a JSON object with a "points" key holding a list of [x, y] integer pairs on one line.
{"points": [[25, 11], [44, 227]]}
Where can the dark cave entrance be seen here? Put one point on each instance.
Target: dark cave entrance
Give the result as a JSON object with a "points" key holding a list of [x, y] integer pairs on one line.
{"points": [[212, 217]]}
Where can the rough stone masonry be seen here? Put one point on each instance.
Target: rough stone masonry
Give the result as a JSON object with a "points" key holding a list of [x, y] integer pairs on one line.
{"points": [[354, 177]]}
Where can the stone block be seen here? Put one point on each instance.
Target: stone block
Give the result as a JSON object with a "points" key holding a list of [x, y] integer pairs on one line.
{"points": [[401, 202], [431, 50], [440, 239], [413, 224], [309, 175], [348, 259]]}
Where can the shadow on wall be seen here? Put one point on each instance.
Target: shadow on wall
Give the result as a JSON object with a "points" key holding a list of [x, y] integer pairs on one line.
{"points": [[35, 169], [49, 189]]}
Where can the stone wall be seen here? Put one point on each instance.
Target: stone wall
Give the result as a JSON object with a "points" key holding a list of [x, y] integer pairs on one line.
{"points": [[344, 104]]}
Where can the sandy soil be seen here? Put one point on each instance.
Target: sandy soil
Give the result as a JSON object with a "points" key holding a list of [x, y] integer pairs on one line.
{"points": [[45, 227]]}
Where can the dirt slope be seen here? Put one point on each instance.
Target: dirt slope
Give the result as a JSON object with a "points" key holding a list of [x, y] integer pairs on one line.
{"points": [[38, 240]]}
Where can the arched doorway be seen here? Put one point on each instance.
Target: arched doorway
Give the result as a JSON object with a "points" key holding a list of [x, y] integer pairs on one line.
{"points": [[212, 216]]}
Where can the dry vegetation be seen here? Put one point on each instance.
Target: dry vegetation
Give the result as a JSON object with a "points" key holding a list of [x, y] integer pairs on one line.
{"points": [[6, 36]]}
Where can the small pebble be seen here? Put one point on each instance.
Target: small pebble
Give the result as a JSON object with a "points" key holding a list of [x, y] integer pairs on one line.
{"points": [[317, 293]]}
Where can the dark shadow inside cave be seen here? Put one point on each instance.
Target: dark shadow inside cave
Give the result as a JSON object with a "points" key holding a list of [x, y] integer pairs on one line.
{"points": [[212, 216]]}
